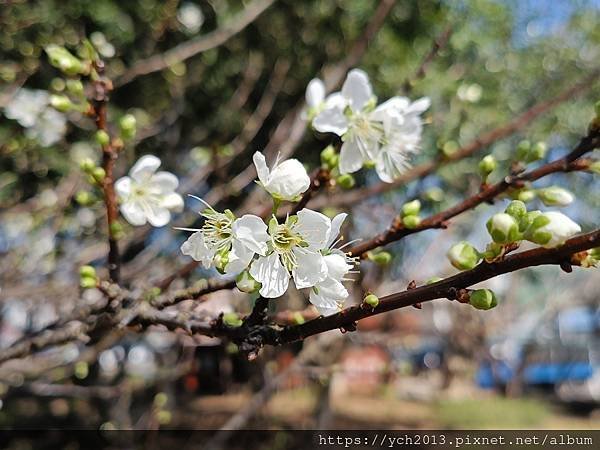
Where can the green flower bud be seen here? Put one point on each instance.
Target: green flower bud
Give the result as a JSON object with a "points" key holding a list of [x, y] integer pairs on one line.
{"points": [[449, 148], [487, 165], [62, 59], [483, 299], [411, 222], [232, 320], [463, 256], [372, 300], [84, 198], [116, 230], [523, 150], [298, 318], [57, 84], [434, 194], [537, 152], [246, 283], [411, 208], [517, 209], [594, 167], [87, 282], [329, 157], [526, 195], [221, 260], [503, 228], [87, 272], [346, 181], [555, 196], [127, 123], [98, 174], [61, 103], [87, 165], [75, 87], [493, 251], [102, 137], [381, 258]]}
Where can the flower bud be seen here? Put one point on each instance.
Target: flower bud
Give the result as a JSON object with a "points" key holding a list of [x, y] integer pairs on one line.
{"points": [[411, 208], [463, 256], [87, 282], [487, 165], [594, 167], [116, 230], [526, 195], [61, 103], [87, 165], [411, 222], [329, 157], [84, 198], [128, 123], [434, 194], [537, 152], [346, 181], [98, 174], [102, 137], [221, 260], [551, 229], [372, 300], [246, 283], [523, 150], [232, 320], [381, 258], [555, 196], [503, 228], [483, 299], [75, 87], [87, 272], [62, 59], [298, 318], [517, 209], [493, 252]]}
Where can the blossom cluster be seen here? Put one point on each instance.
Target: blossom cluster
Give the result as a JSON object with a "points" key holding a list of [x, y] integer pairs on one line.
{"points": [[384, 135], [265, 255]]}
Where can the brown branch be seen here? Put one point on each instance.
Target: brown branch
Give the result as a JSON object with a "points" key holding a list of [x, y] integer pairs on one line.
{"points": [[196, 45], [422, 170], [568, 163]]}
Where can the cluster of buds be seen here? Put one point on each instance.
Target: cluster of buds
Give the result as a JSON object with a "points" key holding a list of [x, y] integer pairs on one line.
{"points": [[87, 277], [410, 214], [96, 174], [330, 161], [528, 152]]}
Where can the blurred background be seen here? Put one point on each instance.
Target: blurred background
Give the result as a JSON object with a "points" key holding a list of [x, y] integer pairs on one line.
{"points": [[237, 87]]}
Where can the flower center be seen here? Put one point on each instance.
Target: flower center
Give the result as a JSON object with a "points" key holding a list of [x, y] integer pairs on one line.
{"points": [[284, 240], [217, 229], [362, 128]]}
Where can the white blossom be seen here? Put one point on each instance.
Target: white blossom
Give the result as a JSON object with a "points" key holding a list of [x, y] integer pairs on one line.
{"points": [[295, 252], [329, 295], [31, 108], [147, 195], [555, 196], [553, 228], [386, 134], [287, 180]]}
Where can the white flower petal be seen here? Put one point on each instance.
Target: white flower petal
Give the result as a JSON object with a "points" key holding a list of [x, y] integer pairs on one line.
{"points": [[251, 231], [288, 180], [314, 228], [269, 271], [390, 165], [239, 258], [329, 296], [315, 92], [331, 120], [133, 213], [337, 267], [261, 167], [357, 89], [336, 225], [336, 100], [351, 158], [164, 182], [173, 202], [195, 246], [310, 270], [144, 168], [123, 187], [419, 106], [156, 214]]}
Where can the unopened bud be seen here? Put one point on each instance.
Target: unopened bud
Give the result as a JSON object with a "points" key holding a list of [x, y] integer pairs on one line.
{"points": [[329, 157], [116, 230], [551, 229], [411, 208], [87, 165], [84, 198], [88, 282], [434, 194], [346, 181], [246, 283], [221, 260], [517, 209], [594, 167], [411, 222], [555, 196], [87, 272], [98, 173], [62, 59], [483, 299], [102, 138], [75, 87], [463, 256], [372, 300], [128, 125], [381, 258], [232, 320], [503, 228], [449, 148], [537, 152], [487, 165], [523, 150], [61, 103]]}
